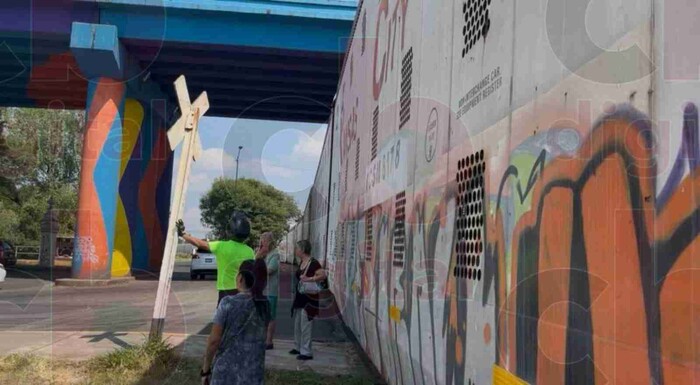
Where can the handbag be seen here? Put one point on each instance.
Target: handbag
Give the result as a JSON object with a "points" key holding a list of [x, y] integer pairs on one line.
{"points": [[308, 287]]}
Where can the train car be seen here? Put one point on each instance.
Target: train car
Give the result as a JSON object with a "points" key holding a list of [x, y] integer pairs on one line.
{"points": [[289, 240], [283, 248], [299, 234], [318, 202], [518, 191]]}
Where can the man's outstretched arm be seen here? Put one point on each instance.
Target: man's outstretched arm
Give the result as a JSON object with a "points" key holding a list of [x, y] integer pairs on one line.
{"points": [[200, 243]]}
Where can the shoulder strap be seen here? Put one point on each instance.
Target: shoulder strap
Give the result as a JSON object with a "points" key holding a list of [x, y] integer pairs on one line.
{"points": [[250, 317], [306, 268]]}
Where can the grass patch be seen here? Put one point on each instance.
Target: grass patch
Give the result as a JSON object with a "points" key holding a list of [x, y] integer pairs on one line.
{"points": [[29, 369], [149, 363]]}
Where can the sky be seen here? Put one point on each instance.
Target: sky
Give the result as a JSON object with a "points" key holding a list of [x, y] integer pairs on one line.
{"points": [[284, 154]]}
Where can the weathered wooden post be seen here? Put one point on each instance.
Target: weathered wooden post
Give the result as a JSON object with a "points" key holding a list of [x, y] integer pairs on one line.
{"points": [[185, 131]]}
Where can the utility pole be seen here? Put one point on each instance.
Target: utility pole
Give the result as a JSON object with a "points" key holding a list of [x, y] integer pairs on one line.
{"points": [[185, 131], [238, 157]]}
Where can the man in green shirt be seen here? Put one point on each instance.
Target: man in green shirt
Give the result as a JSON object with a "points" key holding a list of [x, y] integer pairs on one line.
{"points": [[229, 254]]}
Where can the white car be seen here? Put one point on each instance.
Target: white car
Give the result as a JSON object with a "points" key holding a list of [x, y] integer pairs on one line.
{"points": [[203, 263], [3, 273]]}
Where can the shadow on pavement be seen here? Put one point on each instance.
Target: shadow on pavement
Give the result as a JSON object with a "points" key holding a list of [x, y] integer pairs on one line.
{"points": [[25, 271], [110, 336]]}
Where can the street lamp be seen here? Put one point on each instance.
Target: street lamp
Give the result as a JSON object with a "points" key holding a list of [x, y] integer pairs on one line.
{"points": [[238, 157]]}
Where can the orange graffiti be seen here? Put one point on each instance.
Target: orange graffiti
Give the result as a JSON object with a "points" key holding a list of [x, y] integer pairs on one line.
{"points": [[487, 334], [602, 282]]}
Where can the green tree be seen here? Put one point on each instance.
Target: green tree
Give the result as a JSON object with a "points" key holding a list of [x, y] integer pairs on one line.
{"points": [[8, 188], [9, 222], [39, 160], [41, 147], [35, 203], [269, 208]]}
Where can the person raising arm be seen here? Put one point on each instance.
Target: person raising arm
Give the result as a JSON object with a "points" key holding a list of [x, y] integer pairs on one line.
{"points": [[189, 238], [229, 253]]}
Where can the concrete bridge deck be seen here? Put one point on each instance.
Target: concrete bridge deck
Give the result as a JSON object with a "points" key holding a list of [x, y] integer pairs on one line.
{"points": [[268, 59], [117, 59]]}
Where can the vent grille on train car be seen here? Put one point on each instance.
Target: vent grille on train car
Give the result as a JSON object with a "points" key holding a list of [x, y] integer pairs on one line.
{"points": [[334, 251], [345, 177], [364, 31], [476, 22], [399, 229], [369, 241], [353, 240], [357, 159], [375, 132], [406, 83], [336, 254], [340, 242], [335, 243], [469, 218]]}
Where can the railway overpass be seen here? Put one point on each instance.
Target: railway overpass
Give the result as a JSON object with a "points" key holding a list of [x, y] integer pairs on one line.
{"points": [[117, 59]]}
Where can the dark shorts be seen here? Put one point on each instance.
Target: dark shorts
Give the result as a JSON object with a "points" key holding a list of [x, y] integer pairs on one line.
{"points": [[273, 306]]}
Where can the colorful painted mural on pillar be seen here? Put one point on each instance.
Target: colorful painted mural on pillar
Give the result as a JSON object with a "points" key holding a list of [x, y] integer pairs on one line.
{"points": [[120, 223], [154, 194], [122, 256], [144, 190], [505, 210], [99, 178]]}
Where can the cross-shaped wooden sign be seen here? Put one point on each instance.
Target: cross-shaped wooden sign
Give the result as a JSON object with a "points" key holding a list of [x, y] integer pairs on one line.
{"points": [[184, 130], [188, 121]]}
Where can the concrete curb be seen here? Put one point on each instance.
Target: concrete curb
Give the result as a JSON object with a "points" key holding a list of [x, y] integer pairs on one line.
{"points": [[72, 282]]}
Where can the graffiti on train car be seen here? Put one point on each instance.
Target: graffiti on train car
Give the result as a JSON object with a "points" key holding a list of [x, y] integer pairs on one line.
{"points": [[385, 167], [390, 24], [389, 172], [348, 129], [586, 234], [600, 266], [554, 314]]}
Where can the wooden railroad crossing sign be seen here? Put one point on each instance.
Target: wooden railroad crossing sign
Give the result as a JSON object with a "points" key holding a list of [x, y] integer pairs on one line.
{"points": [[183, 131]]}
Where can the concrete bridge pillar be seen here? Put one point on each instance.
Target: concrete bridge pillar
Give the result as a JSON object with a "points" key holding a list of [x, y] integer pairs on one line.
{"points": [[124, 196], [143, 204], [129, 175], [99, 179]]}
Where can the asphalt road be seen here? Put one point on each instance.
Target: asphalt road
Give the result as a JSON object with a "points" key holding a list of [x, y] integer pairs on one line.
{"points": [[29, 302]]}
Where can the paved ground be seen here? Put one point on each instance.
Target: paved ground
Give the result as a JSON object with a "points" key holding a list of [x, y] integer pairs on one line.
{"points": [[78, 323], [329, 358], [30, 302]]}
